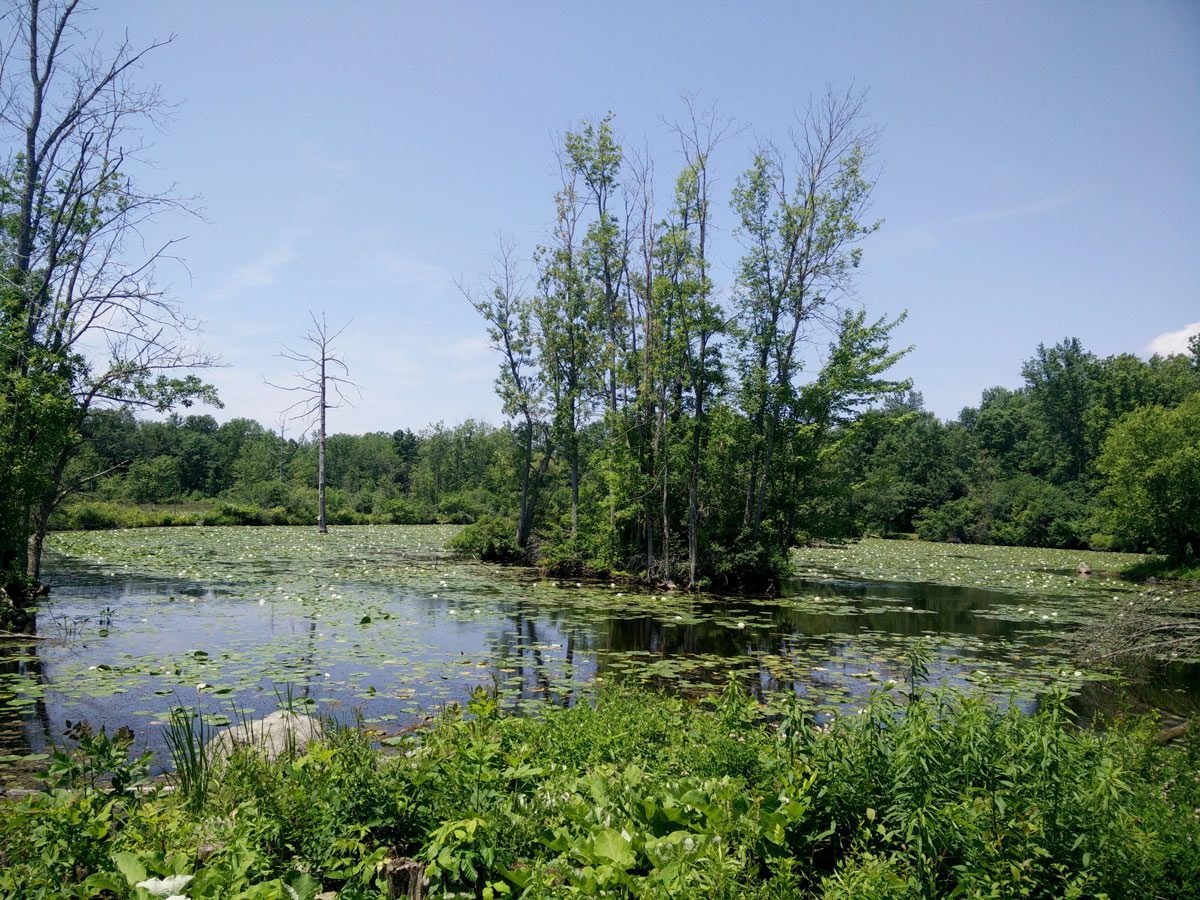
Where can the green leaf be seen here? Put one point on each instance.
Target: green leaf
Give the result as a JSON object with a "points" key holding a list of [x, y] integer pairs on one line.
{"points": [[130, 866], [613, 846]]}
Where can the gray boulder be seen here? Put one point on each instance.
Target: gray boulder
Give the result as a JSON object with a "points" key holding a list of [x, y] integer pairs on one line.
{"points": [[279, 734]]}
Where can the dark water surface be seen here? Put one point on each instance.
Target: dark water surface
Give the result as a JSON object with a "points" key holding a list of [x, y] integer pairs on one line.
{"points": [[381, 624]]}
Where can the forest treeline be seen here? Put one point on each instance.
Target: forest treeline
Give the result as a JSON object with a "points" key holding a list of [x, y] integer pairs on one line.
{"points": [[668, 416], [1026, 466]]}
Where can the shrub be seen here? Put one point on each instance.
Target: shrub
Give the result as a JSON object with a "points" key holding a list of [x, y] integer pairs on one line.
{"points": [[925, 793], [491, 538]]}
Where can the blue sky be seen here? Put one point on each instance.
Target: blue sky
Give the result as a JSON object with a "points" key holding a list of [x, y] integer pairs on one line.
{"points": [[1040, 169]]}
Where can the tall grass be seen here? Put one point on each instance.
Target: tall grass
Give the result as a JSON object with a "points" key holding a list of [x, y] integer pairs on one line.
{"points": [[188, 736]]}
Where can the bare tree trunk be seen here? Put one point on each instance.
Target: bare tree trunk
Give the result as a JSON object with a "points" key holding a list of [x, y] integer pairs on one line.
{"points": [[574, 485], [322, 525], [523, 516], [321, 367]]}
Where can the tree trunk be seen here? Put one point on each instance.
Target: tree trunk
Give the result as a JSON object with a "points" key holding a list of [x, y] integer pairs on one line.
{"points": [[523, 516], [322, 526]]}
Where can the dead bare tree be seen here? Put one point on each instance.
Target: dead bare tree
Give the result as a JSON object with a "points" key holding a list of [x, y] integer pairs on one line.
{"points": [[316, 381]]}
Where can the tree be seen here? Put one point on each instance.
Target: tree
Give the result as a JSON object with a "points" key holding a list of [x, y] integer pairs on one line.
{"points": [[1151, 467], [1061, 382], [316, 382], [801, 219], [510, 317], [700, 319], [82, 322], [569, 332]]}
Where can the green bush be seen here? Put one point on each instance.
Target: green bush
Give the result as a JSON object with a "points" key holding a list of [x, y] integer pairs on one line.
{"points": [[922, 794], [236, 514], [95, 515], [398, 512], [491, 538]]}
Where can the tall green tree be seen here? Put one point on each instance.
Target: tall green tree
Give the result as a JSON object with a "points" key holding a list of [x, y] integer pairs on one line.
{"points": [[1151, 468], [1061, 383], [802, 216], [570, 333], [510, 316]]}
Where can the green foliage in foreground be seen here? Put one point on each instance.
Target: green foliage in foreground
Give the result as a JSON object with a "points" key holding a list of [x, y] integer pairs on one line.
{"points": [[920, 795]]}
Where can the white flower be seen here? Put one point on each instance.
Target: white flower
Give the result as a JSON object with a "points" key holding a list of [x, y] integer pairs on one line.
{"points": [[165, 887]]}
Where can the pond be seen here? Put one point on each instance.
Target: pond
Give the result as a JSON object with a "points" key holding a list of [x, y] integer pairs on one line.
{"points": [[382, 624]]}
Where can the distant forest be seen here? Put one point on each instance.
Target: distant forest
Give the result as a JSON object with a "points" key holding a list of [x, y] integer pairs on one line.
{"points": [[661, 428], [1019, 468]]}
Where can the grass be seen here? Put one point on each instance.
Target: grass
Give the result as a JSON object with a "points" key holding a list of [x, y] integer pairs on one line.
{"points": [[1160, 568], [925, 793]]}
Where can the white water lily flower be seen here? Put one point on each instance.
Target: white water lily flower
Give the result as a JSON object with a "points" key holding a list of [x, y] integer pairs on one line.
{"points": [[165, 887]]}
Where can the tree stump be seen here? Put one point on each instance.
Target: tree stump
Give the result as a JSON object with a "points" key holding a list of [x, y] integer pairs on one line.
{"points": [[405, 878]]}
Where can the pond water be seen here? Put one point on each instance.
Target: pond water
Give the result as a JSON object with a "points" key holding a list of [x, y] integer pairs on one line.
{"points": [[382, 624]]}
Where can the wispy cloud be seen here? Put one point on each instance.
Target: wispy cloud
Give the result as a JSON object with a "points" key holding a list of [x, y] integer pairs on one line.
{"points": [[1172, 342], [261, 271], [412, 273], [335, 165], [1023, 211]]}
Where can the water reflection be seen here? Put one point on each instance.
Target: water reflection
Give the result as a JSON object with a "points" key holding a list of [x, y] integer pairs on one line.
{"points": [[399, 644]]}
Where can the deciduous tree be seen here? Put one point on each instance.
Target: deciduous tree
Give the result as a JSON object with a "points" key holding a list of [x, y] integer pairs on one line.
{"points": [[82, 321]]}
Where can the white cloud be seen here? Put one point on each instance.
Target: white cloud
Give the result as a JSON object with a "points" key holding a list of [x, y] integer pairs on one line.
{"points": [[262, 271], [412, 273], [1171, 342], [1037, 208]]}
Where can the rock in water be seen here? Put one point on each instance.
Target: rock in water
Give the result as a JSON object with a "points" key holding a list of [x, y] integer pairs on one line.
{"points": [[1083, 569], [279, 734]]}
